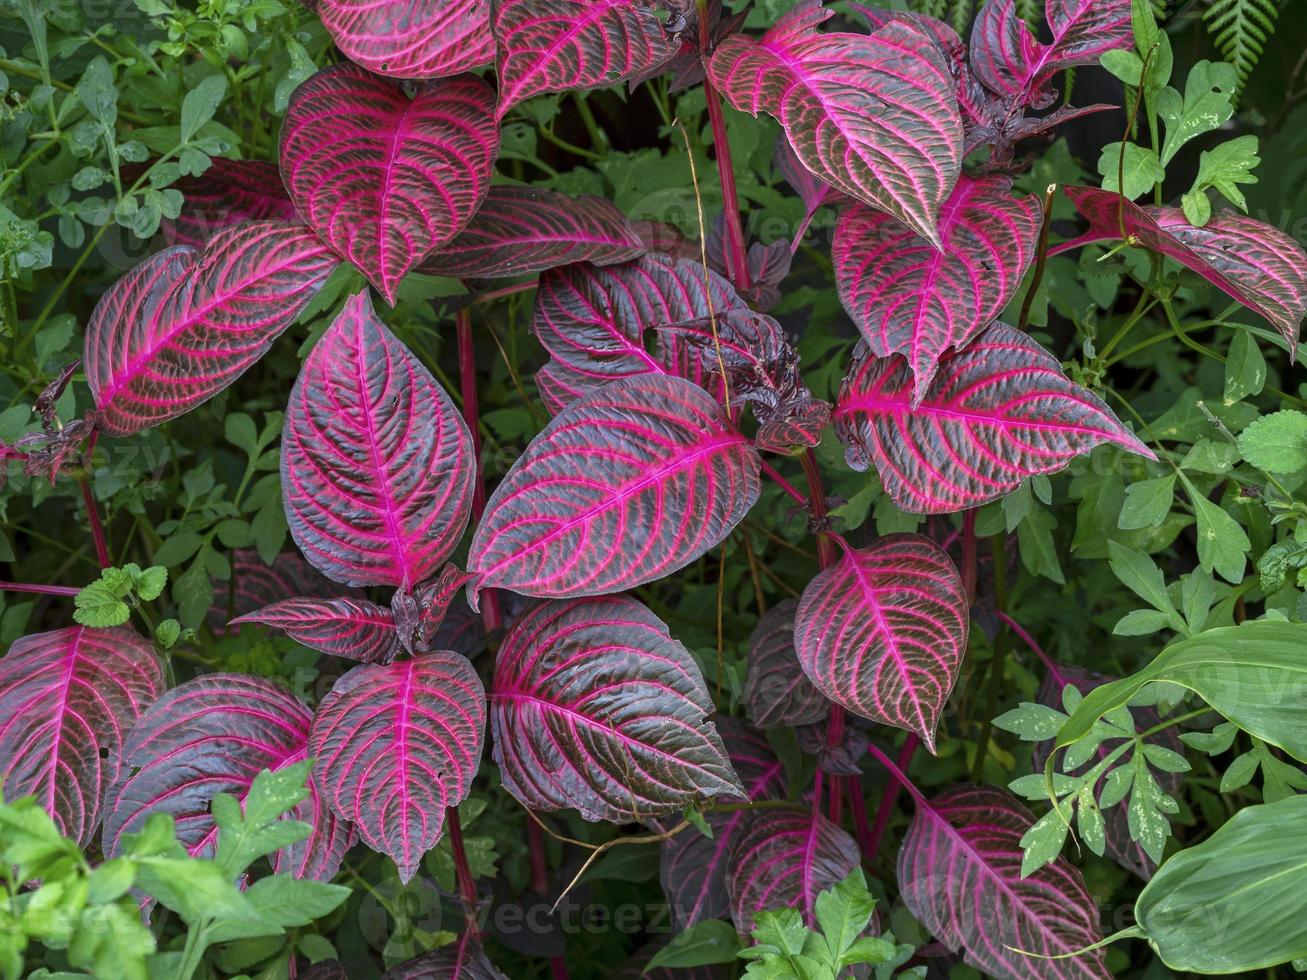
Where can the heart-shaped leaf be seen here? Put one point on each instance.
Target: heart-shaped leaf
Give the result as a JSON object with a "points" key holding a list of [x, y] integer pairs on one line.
{"points": [[693, 866], [385, 179], [377, 465], [229, 192], [411, 38], [1011, 63], [776, 690], [625, 486], [1248, 260], [959, 874], [184, 324], [67, 700], [999, 410], [520, 231], [910, 298], [394, 745], [595, 707], [211, 735], [565, 45], [785, 858], [875, 116], [883, 631], [351, 628]]}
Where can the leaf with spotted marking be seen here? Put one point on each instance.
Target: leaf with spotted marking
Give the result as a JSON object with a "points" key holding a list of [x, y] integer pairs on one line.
{"points": [[882, 632], [385, 179], [999, 411], [377, 465], [595, 707], [394, 745], [626, 485]]}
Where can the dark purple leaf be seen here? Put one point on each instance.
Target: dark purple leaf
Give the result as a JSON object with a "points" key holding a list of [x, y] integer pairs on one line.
{"points": [[909, 298], [566, 45], [411, 38], [254, 584], [883, 632], [1121, 847], [785, 858], [1248, 260], [211, 735], [998, 411], [776, 690], [385, 179], [394, 746], [1012, 64], [693, 867], [626, 485], [959, 874], [595, 707], [520, 231], [839, 756], [229, 192], [351, 628], [67, 700], [377, 464], [462, 959], [184, 324], [873, 116], [813, 192]]}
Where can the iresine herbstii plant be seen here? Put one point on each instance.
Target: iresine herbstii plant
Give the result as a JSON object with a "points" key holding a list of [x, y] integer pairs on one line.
{"points": [[675, 400]]}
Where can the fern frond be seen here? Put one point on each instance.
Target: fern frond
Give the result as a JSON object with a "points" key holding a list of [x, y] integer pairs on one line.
{"points": [[959, 15], [1031, 11], [931, 8], [1240, 29]]}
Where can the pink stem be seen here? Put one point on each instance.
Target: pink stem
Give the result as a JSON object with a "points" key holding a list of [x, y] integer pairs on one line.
{"points": [[1035, 648], [467, 379], [1088, 238], [505, 291], [858, 805], [783, 483], [897, 779], [797, 240], [93, 511], [61, 590], [736, 260], [467, 883]]}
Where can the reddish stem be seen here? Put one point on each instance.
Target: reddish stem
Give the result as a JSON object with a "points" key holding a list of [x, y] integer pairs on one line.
{"points": [[1035, 648], [826, 555], [1088, 238], [505, 291], [61, 590], [783, 483], [858, 806], [467, 883], [93, 511], [736, 259], [897, 780], [467, 379]]}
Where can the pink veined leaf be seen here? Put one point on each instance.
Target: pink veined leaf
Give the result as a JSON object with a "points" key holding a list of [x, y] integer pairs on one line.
{"points": [[998, 411], [814, 192], [386, 179], [254, 584], [883, 632], [229, 192], [394, 745], [463, 959], [693, 867], [910, 298], [68, 698], [1011, 63], [776, 690], [875, 116], [785, 858], [959, 874], [411, 38], [211, 735], [184, 324], [566, 45], [595, 707], [524, 230], [1120, 846], [1248, 260], [377, 464], [351, 628], [626, 485]]}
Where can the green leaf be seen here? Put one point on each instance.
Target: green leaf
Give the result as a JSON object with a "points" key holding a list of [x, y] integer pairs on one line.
{"points": [[1142, 622], [1147, 503], [1222, 169], [1139, 171], [843, 912], [1249, 673], [1043, 842], [1276, 443], [168, 633], [1279, 560], [199, 105], [704, 943], [247, 834], [1141, 576], [151, 582], [1206, 105], [1234, 903], [281, 902], [1031, 722], [99, 604], [1245, 368], [1222, 544], [179, 546]]}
